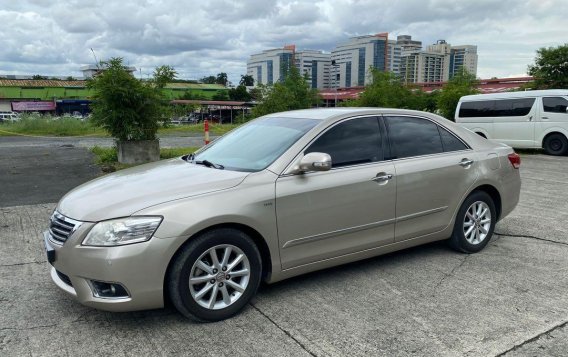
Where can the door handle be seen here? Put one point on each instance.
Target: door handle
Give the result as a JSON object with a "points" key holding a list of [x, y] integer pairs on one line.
{"points": [[465, 162], [545, 118], [381, 177]]}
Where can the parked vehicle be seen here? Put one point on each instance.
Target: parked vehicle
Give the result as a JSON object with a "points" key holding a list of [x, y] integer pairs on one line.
{"points": [[283, 195], [8, 117], [532, 119]]}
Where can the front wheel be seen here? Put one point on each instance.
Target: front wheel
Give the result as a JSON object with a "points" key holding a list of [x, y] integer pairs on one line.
{"points": [[555, 144], [215, 275], [474, 224]]}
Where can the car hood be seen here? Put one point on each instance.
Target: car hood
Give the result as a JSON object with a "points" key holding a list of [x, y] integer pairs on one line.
{"points": [[125, 192]]}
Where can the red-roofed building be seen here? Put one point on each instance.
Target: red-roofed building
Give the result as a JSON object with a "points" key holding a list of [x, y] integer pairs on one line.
{"points": [[484, 85]]}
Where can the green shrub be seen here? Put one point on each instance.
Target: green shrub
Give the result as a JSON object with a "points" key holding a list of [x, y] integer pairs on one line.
{"points": [[105, 155]]}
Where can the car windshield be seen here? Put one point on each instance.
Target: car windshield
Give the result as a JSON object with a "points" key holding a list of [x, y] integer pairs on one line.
{"points": [[254, 146]]}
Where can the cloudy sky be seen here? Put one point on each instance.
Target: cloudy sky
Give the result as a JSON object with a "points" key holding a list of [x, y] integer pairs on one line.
{"points": [[204, 37]]}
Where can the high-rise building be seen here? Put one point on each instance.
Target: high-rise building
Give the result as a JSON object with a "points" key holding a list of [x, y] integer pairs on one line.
{"points": [[351, 61], [315, 66], [269, 66], [463, 57], [438, 63], [407, 44], [394, 54]]}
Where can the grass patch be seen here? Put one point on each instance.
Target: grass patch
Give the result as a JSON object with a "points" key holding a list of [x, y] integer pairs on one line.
{"points": [[168, 153], [54, 126], [214, 129], [107, 158], [31, 125]]}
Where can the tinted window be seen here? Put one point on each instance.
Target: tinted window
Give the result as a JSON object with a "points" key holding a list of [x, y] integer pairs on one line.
{"points": [[496, 108], [413, 137], [477, 109], [352, 142], [450, 141], [555, 104]]}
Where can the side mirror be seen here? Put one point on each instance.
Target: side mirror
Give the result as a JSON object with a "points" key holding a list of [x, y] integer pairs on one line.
{"points": [[314, 161]]}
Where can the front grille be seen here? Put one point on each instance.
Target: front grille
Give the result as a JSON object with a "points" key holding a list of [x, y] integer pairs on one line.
{"points": [[61, 227], [64, 278]]}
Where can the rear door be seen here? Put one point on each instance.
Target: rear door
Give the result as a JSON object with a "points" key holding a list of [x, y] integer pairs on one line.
{"points": [[434, 169]]}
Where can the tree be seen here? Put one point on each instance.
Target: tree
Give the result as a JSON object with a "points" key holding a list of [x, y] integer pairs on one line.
{"points": [[246, 80], [463, 83], [38, 76], [163, 75], [128, 108], [209, 80], [550, 69], [222, 79], [385, 90], [255, 94], [221, 95], [239, 94], [291, 93], [70, 78]]}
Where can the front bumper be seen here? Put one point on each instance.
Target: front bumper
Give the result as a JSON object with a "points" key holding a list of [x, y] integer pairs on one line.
{"points": [[139, 267]]}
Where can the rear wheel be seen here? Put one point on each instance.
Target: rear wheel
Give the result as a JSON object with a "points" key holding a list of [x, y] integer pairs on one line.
{"points": [[474, 224], [215, 275], [555, 144]]}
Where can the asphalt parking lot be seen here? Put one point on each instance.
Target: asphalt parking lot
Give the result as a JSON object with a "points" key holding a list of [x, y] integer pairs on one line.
{"points": [[511, 299]]}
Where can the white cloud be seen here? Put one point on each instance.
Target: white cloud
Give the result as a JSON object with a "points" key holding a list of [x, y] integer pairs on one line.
{"points": [[199, 38]]}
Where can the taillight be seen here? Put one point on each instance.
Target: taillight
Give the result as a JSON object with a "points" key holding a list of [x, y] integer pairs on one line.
{"points": [[515, 160]]}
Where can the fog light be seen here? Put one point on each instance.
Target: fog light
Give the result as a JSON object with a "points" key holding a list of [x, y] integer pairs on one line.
{"points": [[108, 290]]}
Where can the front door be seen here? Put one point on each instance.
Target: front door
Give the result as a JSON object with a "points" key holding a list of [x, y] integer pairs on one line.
{"points": [[350, 208]]}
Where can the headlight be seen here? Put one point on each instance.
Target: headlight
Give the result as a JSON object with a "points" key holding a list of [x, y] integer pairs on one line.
{"points": [[122, 231]]}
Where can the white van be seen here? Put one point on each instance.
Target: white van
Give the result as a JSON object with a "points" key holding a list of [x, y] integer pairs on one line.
{"points": [[531, 119], [8, 117]]}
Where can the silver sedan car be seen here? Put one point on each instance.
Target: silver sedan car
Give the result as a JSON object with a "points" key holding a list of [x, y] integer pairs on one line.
{"points": [[285, 194]]}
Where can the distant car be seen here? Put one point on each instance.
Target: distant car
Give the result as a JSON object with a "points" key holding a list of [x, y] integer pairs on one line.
{"points": [[283, 195], [8, 117], [77, 115]]}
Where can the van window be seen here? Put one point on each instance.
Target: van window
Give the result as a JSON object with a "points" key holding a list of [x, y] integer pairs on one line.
{"points": [[555, 104], [497, 108]]}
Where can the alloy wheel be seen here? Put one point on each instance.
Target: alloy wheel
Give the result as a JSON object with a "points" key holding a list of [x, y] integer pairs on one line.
{"points": [[219, 277], [477, 222]]}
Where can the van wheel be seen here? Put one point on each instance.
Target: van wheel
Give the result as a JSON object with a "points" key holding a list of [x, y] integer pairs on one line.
{"points": [[215, 275], [475, 223], [555, 144]]}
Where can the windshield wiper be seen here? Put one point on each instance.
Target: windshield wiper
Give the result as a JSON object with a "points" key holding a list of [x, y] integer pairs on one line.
{"points": [[208, 163]]}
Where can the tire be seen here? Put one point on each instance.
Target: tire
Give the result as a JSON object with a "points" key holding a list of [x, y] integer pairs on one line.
{"points": [[555, 144], [481, 232], [195, 261]]}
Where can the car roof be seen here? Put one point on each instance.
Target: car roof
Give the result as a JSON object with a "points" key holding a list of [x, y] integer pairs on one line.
{"points": [[333, 113], [524, 94]]}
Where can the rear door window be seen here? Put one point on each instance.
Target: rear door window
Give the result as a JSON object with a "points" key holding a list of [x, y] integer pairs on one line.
{"points": [[411, 136]]}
